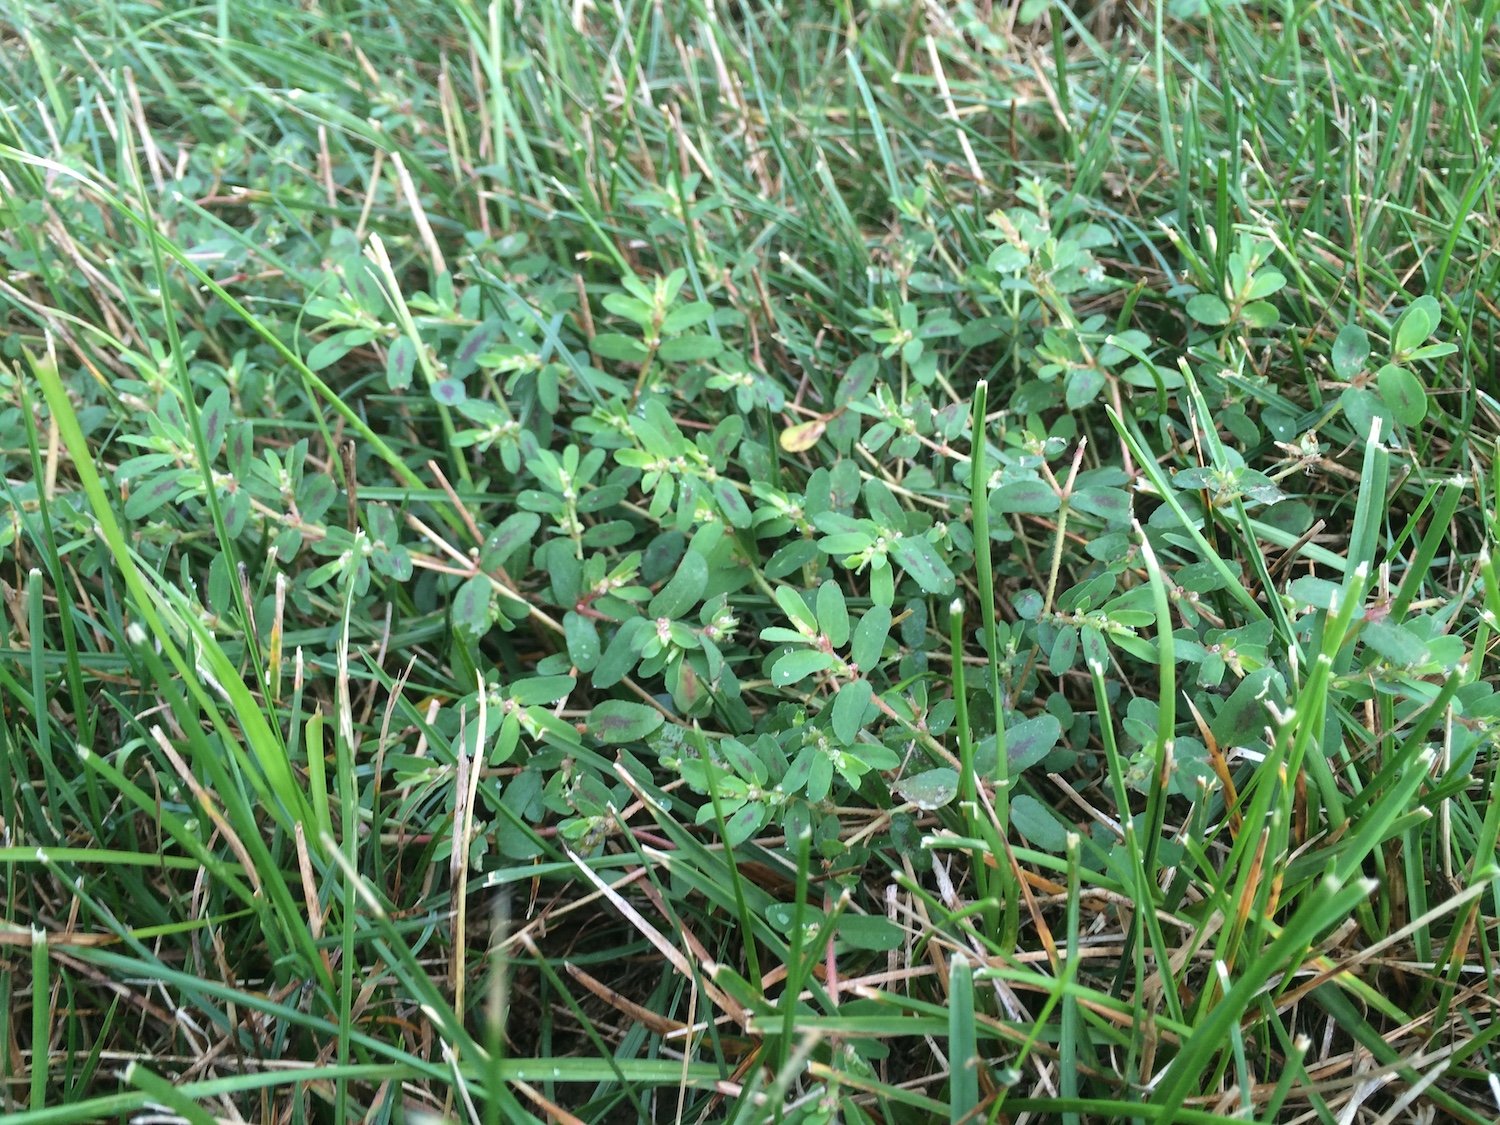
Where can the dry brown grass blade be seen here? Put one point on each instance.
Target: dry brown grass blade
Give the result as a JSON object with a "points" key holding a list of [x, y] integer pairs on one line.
{"points": [[25, 939], [554, 1112], [659, 1025], [1220, 766], [206, 802], [419, 215], [673, 955]]}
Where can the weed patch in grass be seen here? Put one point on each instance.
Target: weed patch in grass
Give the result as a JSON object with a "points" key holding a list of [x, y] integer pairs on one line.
{"points": [[754, 563]]}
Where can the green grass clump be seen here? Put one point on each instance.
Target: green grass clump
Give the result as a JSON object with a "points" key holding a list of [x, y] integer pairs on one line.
{"points": [[749, 562]]}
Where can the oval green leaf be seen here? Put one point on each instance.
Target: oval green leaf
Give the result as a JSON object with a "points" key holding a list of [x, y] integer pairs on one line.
{"points": [[684, 589], [1035, 822], [1205, 308], [921, 560], [849, 707], [1350, 350], [798, 665], [1025, 497], [1403, 394], [929, 790], [617, 721], [1028, 742]]}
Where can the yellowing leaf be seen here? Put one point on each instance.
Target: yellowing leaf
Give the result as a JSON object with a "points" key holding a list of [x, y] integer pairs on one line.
{"points": [[803, 436]]}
